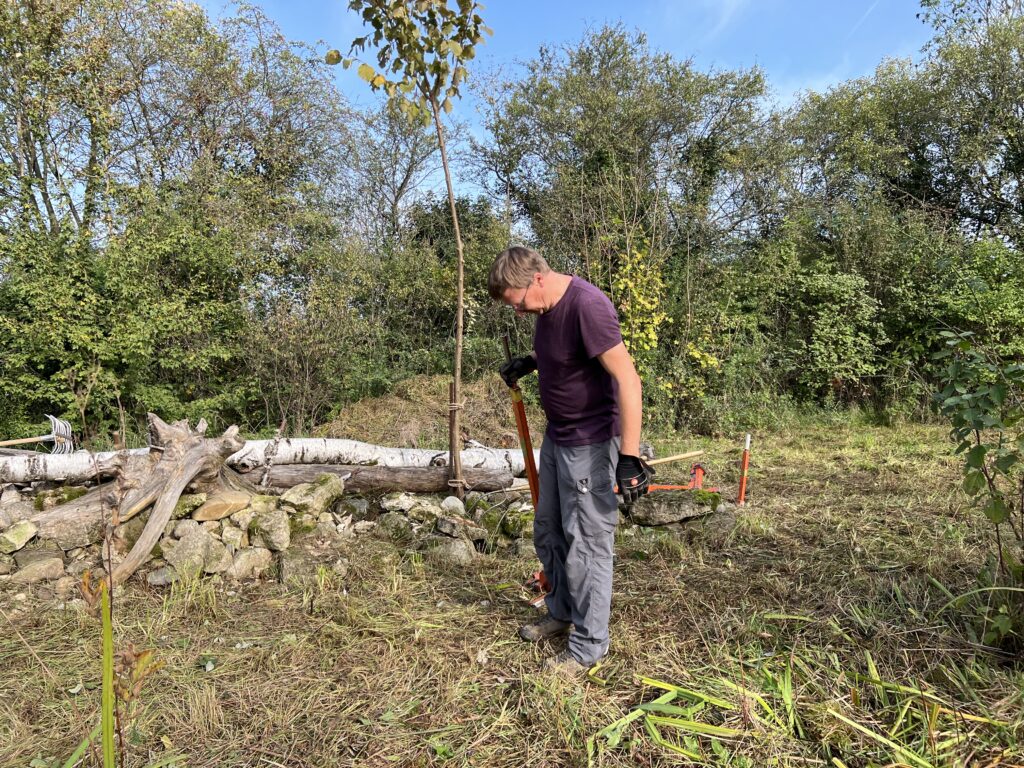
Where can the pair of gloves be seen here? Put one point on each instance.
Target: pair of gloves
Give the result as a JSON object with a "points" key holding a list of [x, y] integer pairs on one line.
{"points": [[632, 474]]}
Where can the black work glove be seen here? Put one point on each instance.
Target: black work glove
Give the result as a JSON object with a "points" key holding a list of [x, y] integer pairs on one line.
{"points": [[515, 369], [633, 476]]}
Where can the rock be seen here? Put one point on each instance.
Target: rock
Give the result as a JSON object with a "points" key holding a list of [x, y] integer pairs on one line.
{"points": [[473, 499], [49, 569], [460, 527], [448, 550], [326, 517], [187, 504], [218, 558], [6, 564], [243, 518], [316, 497], [525, 548], [169, 528], [212, 527], [355, 506], [184, 527], [196, 553], [38, 550], [273, 528], [326, 532], [162, 577], [15, 513], [17, 536], [65, 586], [398, 502], [10, 495], [393, 526], [364, 526], [78, 567], [249, 563], [233, 536], [453, 505], [340, 567], [299, 567], [221, 505], [303, 523], [665, 508], [128, 533], [263, 503], [425, 512], [517, 523]]}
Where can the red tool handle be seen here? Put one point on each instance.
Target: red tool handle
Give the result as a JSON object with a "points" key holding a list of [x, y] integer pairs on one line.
{"points": [[523, 428]]}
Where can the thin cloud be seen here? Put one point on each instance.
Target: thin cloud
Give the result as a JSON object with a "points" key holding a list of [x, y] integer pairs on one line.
{"points": [[862, 19], [727, 11]]}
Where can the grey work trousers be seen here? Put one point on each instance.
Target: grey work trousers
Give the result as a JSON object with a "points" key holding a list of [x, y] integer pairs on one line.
{"points": [[574, 533]]}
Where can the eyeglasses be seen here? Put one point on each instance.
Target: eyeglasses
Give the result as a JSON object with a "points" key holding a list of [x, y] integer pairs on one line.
{"points": [[520, 306]]}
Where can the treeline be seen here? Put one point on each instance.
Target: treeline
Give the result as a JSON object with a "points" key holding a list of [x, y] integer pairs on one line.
{"points": [[193, 220]]}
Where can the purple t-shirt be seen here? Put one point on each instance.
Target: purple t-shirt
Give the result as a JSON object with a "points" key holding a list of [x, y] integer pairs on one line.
{"points": [[577, 393]]}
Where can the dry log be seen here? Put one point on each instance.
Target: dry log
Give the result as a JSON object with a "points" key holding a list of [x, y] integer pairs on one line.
{"points": [[308, 450], [81, 467], [364, 479], [183, 457], [78, 467]]}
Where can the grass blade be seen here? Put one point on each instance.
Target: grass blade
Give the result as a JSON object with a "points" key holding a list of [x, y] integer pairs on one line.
{"points": [[692, 695], [896, 748], [107, 711]]}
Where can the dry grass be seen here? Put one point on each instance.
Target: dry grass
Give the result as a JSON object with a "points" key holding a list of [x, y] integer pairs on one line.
{"points": [[832, 580], [416, 415]]}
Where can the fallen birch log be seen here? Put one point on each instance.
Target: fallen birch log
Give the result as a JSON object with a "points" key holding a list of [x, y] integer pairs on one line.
{"points": [[78, 467], [317, 450], [362, 478], [81, 467]]}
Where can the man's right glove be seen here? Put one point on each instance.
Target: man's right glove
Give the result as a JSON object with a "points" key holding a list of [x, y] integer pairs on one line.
{"points": [[515, 369], [633, 476]]}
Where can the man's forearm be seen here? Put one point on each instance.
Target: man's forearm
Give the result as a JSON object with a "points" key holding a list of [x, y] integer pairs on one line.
{"points": [[630, 413]]}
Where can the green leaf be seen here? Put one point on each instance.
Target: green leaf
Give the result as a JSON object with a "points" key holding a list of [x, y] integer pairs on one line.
{"points": [[997, 511], [976, 457], [367, 72], [333, 57], [447, 106], [974, 481], [1005, 462]]}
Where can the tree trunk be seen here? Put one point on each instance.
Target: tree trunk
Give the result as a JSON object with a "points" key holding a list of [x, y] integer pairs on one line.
{"points": [[181, 456], [454, 430], [364, 479]]}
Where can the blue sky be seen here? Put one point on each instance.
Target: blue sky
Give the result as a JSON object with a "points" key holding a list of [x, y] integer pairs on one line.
{"points": [[801, 44]]}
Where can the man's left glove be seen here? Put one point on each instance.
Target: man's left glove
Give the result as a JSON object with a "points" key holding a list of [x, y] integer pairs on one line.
{"points": [[633, 476]]}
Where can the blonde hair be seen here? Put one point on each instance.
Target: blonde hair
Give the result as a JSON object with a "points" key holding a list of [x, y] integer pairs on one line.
{"points": [[514, 268]]}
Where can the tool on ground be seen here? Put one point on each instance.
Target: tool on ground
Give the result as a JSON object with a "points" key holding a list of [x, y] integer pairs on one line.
{"points": [[60, 436], [677, 457], [697, 474], [523, 428], [744, 469]]}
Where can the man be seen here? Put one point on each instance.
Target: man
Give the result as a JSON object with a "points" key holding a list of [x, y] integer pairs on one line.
{"points": [[591, 395]]}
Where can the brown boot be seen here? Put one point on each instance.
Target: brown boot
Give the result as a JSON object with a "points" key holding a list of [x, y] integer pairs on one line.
{"points": [[543, 628]]}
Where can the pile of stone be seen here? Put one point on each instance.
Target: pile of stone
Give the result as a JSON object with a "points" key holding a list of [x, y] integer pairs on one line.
{"points": [[240, 536]]}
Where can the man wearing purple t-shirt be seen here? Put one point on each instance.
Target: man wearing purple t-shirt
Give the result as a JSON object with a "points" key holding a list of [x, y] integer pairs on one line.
{"points": [[591, 395]]}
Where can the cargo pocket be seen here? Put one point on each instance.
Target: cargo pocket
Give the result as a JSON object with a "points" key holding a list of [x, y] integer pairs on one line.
{"points": [[596, 525]]}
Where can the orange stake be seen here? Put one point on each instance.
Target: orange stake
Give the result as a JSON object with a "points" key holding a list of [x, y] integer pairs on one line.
{"points": [[744, 469]]}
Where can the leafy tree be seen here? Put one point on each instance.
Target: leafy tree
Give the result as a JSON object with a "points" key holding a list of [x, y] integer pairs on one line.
{"points": [[422, 49]]}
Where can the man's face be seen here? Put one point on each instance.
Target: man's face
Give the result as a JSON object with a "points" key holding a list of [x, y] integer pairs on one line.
{"points": [[524, 301]]}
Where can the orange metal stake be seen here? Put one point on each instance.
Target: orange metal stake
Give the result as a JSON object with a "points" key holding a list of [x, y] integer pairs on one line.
{"points": [[744, 469]]}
